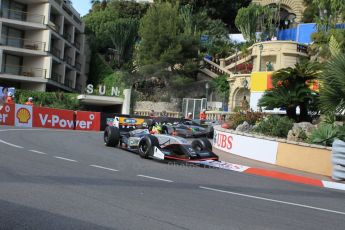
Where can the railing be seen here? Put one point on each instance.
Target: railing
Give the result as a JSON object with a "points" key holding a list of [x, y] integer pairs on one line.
{"points": [[68, 83], [214, 68], [22, 43], [24, 71], [22, 16], [157, 114], [217, 115], [54, 26], [68, 60], [56, 77], [67, 36], [79, 87], [77, 45], [56, 52], [233, 59], [78, 66]]}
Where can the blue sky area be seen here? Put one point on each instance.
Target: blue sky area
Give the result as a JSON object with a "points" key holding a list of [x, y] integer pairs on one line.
{"points": [[82, 6]]}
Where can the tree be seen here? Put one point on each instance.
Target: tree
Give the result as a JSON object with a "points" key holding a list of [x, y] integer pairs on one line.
{"points": [[123, 34], [222, 86], [223, 10], [291, 88], [332, 90], [253, 18], [165, 38]]}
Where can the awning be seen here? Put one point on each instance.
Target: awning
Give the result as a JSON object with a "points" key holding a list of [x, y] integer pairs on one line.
{"points": [[99, 100]]}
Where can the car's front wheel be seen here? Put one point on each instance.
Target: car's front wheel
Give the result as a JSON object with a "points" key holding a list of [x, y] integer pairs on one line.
{"points": [[146, 146], [111, 136], [202, 144]]}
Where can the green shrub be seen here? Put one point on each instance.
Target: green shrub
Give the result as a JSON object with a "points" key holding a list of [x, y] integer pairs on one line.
{"points": [[238, 118], [274, 125], [59, 100], [326, 133]]}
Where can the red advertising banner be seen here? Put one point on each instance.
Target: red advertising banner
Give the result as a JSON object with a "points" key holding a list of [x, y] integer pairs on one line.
{"points": [[53, 118], [88, 121], [7, 114]]}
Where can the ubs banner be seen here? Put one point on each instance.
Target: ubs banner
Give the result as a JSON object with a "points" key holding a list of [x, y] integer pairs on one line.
{"points": [[253, 148]]}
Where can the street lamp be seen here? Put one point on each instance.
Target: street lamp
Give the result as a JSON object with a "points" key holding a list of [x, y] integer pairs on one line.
{"points": [[261, 47]]}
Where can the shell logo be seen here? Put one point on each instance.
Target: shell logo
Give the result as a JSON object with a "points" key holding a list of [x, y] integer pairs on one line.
{"points": [[23, 115]]}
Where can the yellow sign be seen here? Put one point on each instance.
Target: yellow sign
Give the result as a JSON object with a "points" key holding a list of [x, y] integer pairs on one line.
{"points": [[260, 81]]}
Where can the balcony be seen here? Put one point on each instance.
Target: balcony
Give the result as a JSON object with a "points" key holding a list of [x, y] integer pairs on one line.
{"points": [[56, 77], [69, 83], [56, 52], [79, 87], [67, 36], [54, 26], [78, 66], [77, 45], [24, 71], [21, 16], [22, 43], [68, 60]]}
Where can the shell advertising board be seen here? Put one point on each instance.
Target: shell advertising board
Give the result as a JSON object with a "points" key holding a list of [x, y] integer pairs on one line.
{"points": [[23, 116]]}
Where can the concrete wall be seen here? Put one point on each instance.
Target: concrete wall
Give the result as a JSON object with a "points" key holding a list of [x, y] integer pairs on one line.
{"points": [[299, 156], [156, 106]]}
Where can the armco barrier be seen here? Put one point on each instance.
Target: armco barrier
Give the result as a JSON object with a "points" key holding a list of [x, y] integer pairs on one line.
{"points": [[338, 158], [300, 156]]}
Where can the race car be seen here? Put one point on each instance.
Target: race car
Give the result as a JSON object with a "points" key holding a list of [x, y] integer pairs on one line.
{"points": [[188, 129], [159, 146]]}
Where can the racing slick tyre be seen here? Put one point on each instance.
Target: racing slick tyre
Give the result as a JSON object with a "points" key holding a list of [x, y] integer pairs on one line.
{"points": [[111, 136], [147, 145], [202, 144]]}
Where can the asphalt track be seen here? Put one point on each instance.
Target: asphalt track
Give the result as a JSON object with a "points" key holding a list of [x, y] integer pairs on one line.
{"points": [[69, 180]]}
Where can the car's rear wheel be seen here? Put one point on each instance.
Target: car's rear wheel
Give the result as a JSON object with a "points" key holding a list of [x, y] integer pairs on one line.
{"points": [[202, 144], [147, 145], [111, 136]]}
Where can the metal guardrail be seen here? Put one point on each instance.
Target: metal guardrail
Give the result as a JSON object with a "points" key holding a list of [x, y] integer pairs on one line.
{"points": [[24, 71], [22, 43], [338, 158], [22, 16]]}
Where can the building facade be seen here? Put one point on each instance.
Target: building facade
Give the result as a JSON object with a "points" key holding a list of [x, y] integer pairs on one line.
{"points": [[42, 46]]}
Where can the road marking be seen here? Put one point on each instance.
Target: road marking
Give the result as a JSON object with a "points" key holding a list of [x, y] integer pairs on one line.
{"points": [[66, 159], [272, 200], [5, 130], [155, 178], [101, 167], [35, 151], [13, 145]]}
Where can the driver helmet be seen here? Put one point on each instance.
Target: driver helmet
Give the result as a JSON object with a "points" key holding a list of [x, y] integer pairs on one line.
{"points": [[10, 94], [157, 129]]}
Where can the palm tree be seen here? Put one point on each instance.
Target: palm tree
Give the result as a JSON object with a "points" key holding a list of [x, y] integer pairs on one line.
{"points": [[332, 90], [292, 89]]}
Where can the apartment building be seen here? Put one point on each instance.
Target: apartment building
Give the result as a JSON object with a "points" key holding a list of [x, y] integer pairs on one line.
{"points": [[42, 46]]}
